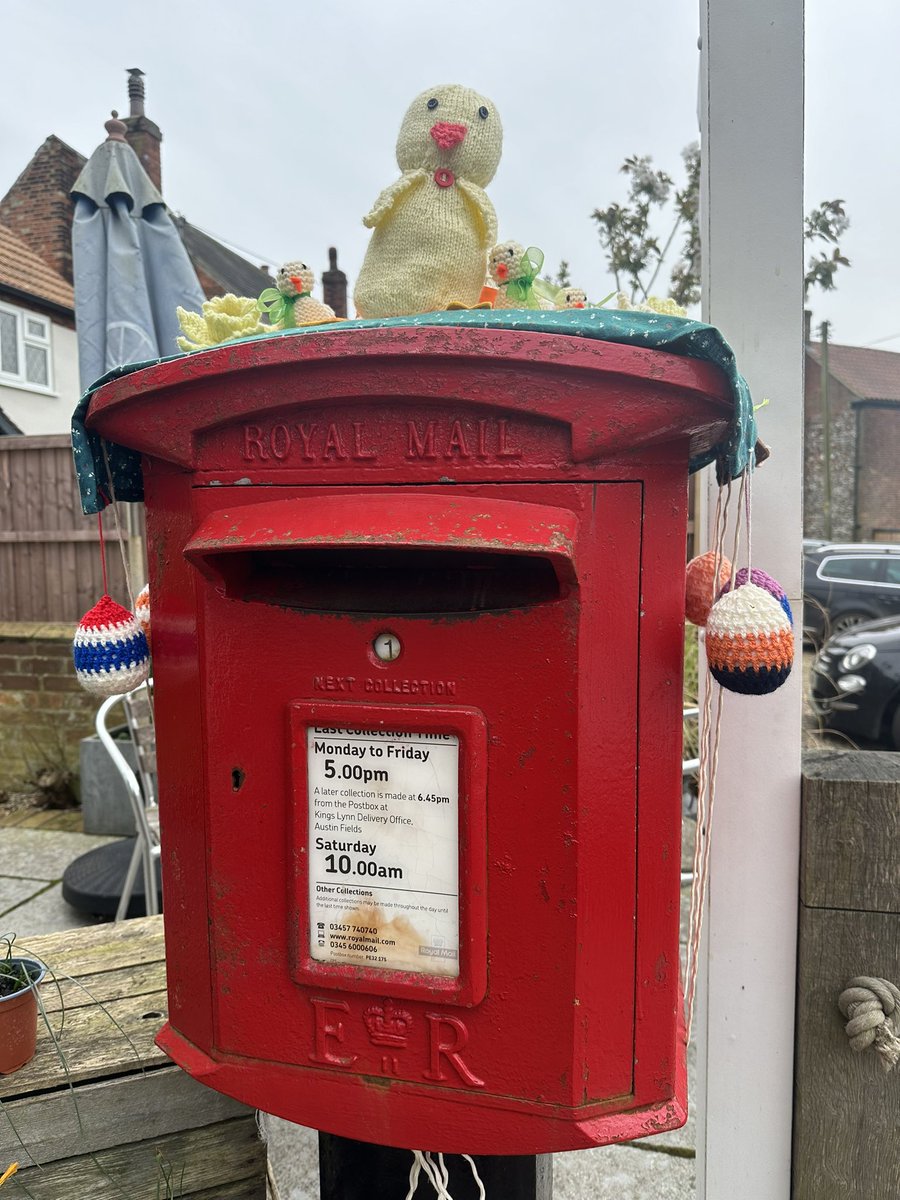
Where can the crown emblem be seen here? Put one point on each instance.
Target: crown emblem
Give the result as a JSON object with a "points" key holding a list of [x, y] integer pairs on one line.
{"points": [[387, 1025]]}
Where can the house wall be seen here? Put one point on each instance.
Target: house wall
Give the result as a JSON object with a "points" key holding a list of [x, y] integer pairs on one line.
{"points": [[843, 458], [40, 412], [878, 499]]}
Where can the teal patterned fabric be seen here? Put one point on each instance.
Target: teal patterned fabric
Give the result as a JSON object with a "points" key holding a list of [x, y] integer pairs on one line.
{"points": [[675, 335]]}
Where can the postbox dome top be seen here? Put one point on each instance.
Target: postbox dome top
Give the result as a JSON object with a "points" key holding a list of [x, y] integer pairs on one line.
{"points": [[645, 331]]}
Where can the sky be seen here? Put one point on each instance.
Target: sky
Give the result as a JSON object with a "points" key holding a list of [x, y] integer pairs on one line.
{"points": [[279, 121]]}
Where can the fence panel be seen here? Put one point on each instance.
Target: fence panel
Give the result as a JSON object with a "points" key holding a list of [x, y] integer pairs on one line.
{"points": [[50, 568]]}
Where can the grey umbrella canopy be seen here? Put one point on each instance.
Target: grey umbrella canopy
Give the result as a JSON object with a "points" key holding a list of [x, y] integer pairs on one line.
{"points": [[131, 269]]}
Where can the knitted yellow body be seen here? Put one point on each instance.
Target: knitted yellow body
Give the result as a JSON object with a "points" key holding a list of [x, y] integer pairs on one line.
{"points": [[433, 227]]}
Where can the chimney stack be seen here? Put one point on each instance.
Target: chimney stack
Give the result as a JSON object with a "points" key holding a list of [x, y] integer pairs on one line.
{"points": [[334, 285], [143, 135]]}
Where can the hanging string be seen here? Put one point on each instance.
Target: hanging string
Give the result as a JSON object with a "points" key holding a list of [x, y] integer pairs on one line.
{"points": [[719, 523], [710, 740], [438, 1174], [115, 508], [102, 554], [748, 510]]}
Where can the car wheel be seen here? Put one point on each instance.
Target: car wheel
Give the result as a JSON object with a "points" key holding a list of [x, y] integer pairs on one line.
{"points": [[847, 620]]}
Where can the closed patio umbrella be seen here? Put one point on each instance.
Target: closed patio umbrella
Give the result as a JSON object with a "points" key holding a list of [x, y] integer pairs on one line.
{"points": [[130, 267]]}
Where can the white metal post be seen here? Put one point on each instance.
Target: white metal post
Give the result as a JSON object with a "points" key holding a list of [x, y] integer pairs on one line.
{"points": [[751, 107]]}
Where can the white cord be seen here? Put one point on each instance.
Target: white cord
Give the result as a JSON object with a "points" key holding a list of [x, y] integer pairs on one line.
{"points": [[437, 1174]]}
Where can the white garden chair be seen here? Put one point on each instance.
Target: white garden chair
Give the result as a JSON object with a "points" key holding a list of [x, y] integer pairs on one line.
{"points": [[141, 787]]}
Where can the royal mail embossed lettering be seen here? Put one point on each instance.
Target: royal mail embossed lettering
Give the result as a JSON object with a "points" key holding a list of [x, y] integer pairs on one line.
{"points": [[321, 442]]}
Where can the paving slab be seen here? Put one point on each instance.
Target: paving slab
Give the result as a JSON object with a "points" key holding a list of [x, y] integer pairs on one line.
{"points": [[46, 912], [622, 1173], [294, 1159], [43, 853], [16, 891]]}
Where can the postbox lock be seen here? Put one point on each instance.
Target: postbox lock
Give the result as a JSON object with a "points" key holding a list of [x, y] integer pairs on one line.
{"points": [[387, 647]]}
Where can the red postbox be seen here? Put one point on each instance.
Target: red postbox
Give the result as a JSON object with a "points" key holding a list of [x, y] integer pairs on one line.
{"points": [[417, 634]]}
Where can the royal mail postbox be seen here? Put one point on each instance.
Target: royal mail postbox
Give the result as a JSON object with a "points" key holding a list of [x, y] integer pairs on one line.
{"points": [[417, 605]]}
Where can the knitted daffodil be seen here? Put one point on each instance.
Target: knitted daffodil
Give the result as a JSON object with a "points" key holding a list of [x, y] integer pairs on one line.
{"points": [[666, 307], [222, 319]]}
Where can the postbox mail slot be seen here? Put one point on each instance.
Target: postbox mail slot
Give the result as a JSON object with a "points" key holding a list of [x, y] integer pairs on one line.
{"points": [[405, 554]]}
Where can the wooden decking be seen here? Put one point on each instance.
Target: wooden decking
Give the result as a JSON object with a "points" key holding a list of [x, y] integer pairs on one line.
{"points": [[100, 1107]]}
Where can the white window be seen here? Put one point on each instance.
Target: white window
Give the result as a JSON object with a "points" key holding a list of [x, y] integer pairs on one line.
{"points": [[25, 354]]}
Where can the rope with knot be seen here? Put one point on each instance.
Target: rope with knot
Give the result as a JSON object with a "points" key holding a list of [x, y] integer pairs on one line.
{"points": [[872, 1009]]}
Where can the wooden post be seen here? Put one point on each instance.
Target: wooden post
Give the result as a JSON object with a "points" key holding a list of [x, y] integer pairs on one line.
{"points": [[350, 1170], [845, 1105]]}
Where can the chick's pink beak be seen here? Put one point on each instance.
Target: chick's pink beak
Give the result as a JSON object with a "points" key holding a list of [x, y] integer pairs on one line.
{"points": [[447, 135]]}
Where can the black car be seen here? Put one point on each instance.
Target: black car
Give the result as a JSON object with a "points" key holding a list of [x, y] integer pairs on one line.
{"points": [[846, 583], [856, 683]]}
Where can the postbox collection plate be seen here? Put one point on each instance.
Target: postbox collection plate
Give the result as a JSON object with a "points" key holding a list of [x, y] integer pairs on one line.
{"points": [[390, 845]]}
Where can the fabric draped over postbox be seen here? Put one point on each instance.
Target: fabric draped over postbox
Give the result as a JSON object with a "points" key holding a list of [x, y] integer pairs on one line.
{"points": [[674, 335]]}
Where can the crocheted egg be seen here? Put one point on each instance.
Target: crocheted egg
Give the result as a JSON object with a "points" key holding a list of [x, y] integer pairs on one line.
{"points": [[699, 590], [749, 641], [767, 583], [110, 651], [142, 611]]}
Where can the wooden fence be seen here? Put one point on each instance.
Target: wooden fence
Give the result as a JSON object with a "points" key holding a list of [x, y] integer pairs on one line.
{"points": [[49, 551]]}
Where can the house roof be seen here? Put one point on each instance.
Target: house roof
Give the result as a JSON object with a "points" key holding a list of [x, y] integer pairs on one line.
{"points": [[37, 211], [8, 428], [213, 261], [24, 271], [868, 374]]}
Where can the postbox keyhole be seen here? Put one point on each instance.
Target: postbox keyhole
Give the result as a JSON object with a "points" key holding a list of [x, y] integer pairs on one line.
{"points": [[237, 779]]}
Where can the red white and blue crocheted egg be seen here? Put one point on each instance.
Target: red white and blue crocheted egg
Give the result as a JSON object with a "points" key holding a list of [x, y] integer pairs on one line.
{"points": [[749, 641], [110, 651]]}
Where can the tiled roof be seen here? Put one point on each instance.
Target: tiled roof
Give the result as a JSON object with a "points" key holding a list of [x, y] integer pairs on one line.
{"points": [[26, 271], [869, 374], [222, 266]]}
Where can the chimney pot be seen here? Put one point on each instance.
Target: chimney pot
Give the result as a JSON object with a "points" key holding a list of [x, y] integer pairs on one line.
{"points": [[136, 91]]}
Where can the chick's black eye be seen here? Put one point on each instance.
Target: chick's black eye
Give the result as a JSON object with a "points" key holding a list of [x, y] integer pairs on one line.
{"points": [[432, 103], [483, 113]]}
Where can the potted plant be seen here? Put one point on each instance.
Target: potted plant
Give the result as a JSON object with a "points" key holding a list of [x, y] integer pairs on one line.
{"points": [[19, 977]]}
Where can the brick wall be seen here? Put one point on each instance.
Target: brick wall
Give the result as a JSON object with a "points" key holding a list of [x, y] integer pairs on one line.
{"points": [[843, 458], [44, 712], [878, 503], [38, 207]]}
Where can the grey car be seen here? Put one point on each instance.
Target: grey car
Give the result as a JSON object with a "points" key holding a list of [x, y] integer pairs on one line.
{"points": [[846, 583]]}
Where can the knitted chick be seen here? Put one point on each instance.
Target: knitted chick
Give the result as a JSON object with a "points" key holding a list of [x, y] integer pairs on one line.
{"points": [[514, 270], [294, 282], [433, 226], [571, 298]]}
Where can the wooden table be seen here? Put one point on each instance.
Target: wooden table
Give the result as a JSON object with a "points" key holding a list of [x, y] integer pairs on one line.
{"points": [[103, 1110]]}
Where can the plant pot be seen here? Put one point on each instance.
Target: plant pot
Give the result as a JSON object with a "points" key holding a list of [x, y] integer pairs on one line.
{"points": [[18, 1020]]}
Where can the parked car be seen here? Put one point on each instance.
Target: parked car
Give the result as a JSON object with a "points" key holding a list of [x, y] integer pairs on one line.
{"points": [[845, 583], [855, 687]]}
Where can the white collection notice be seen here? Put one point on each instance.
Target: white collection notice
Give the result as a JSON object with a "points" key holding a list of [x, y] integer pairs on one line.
{"points": [[384, 849]]}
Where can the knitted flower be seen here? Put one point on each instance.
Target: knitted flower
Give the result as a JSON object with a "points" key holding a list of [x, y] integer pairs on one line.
{"points": [[223, 318]]}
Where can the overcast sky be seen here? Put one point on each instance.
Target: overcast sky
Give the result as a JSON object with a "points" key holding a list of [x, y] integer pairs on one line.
{"points": [[279, 120]]}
